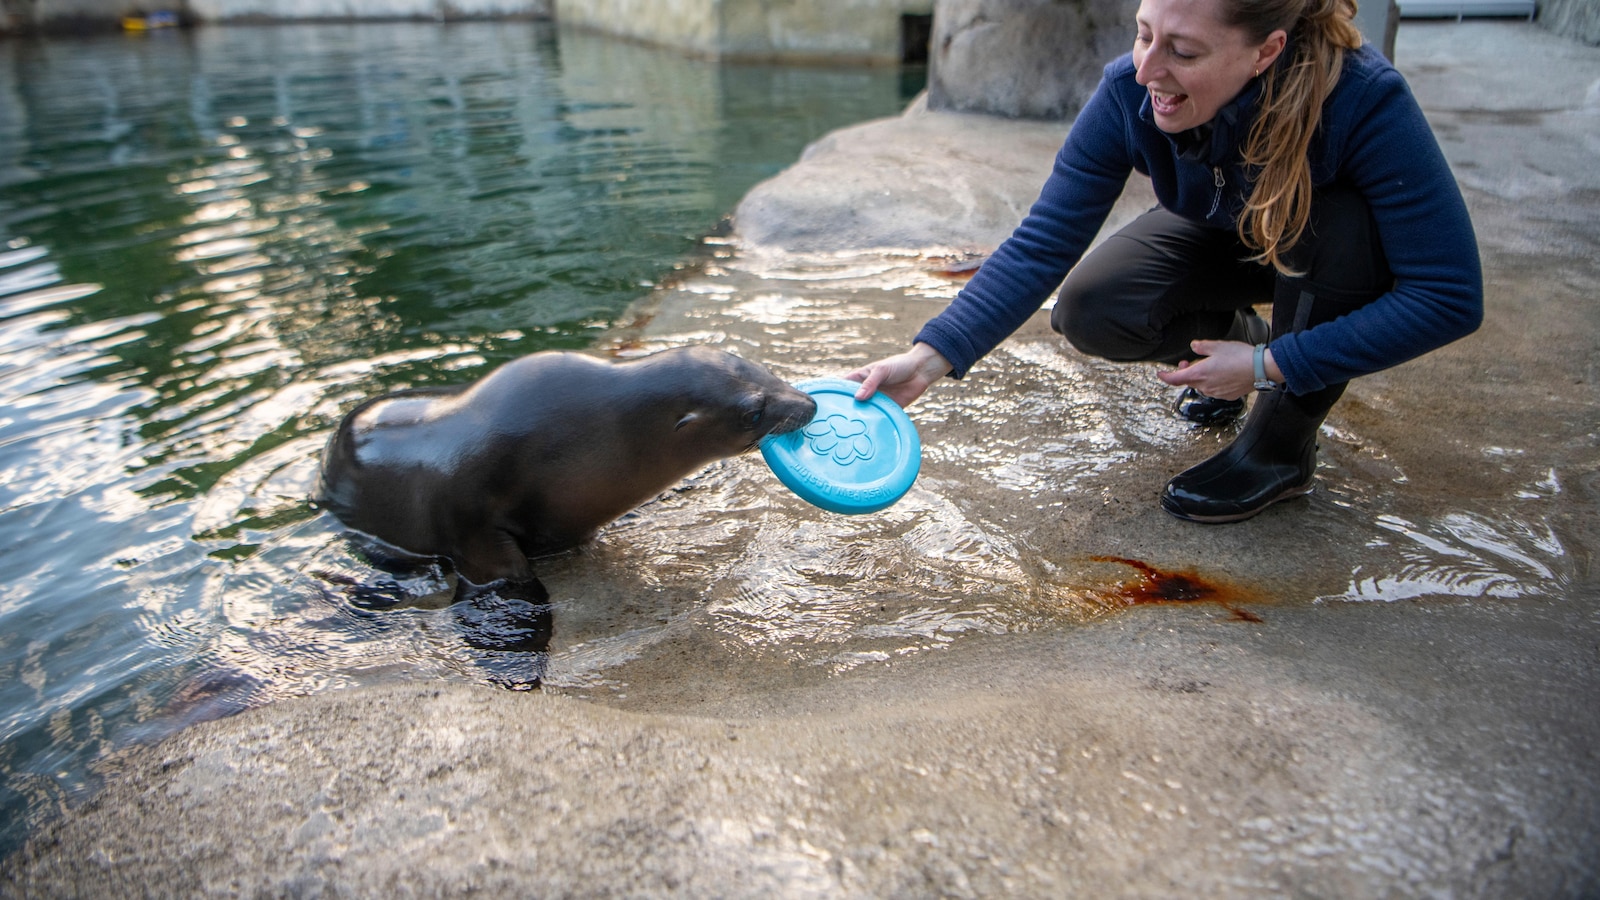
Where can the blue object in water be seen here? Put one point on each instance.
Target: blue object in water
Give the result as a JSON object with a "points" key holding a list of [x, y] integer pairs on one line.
{"points": [[854, 457]]}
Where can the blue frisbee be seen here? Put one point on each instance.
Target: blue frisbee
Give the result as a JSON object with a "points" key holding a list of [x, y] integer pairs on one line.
{"points": [[854, 457]]}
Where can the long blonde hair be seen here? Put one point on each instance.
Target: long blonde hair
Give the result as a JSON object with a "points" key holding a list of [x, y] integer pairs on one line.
{"points": [[1292, 94]]}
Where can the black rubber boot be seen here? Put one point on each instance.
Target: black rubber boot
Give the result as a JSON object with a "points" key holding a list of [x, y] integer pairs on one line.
{"points": [[1273, 458], [1275, 455], [1204, 410], [1248, 327]]}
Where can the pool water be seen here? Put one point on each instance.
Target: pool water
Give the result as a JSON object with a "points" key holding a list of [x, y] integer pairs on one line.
{"points": [[212, 243]]}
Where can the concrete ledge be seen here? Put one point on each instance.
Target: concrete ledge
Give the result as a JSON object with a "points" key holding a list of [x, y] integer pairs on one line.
{"points": [[82, 16], [865, 31], [348, 10]]}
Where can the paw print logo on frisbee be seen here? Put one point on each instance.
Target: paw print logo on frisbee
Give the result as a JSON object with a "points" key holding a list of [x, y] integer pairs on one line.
{"points": [[853, 457], [841, 437]]}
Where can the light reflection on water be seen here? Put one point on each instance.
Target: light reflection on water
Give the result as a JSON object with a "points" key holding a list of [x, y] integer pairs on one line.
{"points": [[1460, 555]]}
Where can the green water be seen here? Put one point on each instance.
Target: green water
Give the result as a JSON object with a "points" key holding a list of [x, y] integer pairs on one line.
{"points": [[214, 242]]}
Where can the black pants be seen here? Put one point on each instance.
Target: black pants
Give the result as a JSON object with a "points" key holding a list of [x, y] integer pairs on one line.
{"points": [[1163, 281]]}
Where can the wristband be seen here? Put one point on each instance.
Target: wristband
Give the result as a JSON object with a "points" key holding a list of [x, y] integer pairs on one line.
{"points": [[1263, 383]]}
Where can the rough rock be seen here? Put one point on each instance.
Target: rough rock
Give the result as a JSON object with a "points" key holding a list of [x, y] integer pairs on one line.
{"points": [[922, 180], [1024, 58], [1578, 19]]}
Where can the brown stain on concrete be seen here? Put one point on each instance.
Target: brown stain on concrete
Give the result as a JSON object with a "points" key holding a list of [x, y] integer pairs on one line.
{"points": [[1153, 586]]}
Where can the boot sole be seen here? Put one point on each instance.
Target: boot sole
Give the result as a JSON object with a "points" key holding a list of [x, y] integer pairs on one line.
{"points": [[1296, 491]]}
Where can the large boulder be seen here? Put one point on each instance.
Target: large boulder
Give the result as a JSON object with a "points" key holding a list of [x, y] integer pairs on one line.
{"points": [[1579, 19], [923, 182], [920, 181], [1036, 59]]}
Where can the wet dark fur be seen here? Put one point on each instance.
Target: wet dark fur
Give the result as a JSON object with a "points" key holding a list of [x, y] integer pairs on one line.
{"points": [[537, 455]]}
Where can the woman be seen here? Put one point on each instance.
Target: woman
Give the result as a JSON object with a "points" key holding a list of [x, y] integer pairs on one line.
{"points": [[1293, 167]]}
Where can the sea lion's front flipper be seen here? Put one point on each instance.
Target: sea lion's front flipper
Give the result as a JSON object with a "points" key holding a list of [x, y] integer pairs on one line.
{"points": [[502, 607], [505, 615]]}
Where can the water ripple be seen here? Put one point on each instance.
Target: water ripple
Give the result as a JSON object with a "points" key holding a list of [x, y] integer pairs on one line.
{"points": [[1460, 555]]}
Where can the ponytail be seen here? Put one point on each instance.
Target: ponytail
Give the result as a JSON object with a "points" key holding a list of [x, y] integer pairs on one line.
{"points": [[1292, 95]]}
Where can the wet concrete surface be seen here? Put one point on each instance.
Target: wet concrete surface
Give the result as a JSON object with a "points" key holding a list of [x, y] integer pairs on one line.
{"points": [[1386, 688], [1412, 750]]}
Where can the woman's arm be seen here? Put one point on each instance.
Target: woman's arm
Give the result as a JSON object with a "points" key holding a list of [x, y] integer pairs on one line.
{"points": [[1089, 173], [1390, 155]]}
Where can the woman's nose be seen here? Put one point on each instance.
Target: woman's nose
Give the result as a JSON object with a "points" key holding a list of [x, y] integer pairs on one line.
{"points": [[1144, 68]]}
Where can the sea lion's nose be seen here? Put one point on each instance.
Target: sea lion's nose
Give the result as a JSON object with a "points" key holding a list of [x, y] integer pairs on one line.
{"points": [[802, 409]]}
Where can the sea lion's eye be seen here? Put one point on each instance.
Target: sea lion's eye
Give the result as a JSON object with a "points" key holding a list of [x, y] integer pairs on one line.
{"points": [[753, 418]]}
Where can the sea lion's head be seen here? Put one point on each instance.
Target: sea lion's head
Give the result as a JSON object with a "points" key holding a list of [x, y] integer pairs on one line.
{"points": [[730, 403]]}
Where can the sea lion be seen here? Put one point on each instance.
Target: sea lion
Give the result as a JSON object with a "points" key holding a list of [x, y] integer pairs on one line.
{"points": [[540, 453]]}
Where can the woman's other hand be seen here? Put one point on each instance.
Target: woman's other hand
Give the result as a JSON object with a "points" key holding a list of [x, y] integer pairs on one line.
{"points": [[903, 377], [1226, 370]]}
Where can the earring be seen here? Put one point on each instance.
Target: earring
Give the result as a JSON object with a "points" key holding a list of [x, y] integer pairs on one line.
{"points": [[1256, 73]]}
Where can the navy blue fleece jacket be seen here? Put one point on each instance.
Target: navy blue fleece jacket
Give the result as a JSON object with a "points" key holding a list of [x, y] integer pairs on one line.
{"points": [[1373, 137]]}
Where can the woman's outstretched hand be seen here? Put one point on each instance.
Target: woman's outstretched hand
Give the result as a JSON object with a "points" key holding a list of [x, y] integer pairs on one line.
{"points": [[1226, 370], [902, 377]]}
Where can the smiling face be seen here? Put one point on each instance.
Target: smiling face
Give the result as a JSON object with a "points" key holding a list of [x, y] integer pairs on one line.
{"points": [[1192, 63]]}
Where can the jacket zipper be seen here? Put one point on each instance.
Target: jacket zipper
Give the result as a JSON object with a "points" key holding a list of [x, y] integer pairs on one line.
{"points": [[1220, 182]]}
